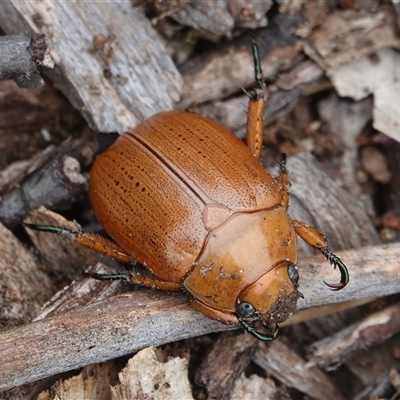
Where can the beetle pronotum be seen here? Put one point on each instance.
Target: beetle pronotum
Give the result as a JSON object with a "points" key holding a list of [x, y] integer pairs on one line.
{"points": [[188, 200]]}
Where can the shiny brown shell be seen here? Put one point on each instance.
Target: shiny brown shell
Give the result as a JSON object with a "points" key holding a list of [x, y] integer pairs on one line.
{"points": [[163, 186]]}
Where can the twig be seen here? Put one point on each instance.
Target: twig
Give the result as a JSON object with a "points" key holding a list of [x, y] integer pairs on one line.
{"points": [[376, 328], [292, 370], [126, 323], [56, 181]]}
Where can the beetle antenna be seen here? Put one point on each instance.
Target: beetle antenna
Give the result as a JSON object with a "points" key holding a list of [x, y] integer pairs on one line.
{"points": [[336, 262], [258, 335]]}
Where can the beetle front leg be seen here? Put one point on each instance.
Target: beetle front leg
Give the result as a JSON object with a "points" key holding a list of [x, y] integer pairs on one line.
{"points": [[318, 241], [255, 111]]}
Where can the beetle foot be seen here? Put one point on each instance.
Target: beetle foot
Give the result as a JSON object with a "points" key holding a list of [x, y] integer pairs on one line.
{"points": [[107, 277], [53, 229], [336, 262]]}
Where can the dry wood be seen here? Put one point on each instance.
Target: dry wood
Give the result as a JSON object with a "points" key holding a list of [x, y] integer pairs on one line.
{"points": [[109, 61], [280, 100], [292, 370], [347, 119], [31, 120], [57, 181], [224, 364], [376, 75], [257, 387], [20, 57], [221, 72], [373, 365], [250, 13], [129, 322], [382, 388], [326, 206], [374, 329], [374, 163], [15, 173], [347, 35], [53, 178], [93, 383], [147, 377], [393, 201], [205, 16], [24, 286]]}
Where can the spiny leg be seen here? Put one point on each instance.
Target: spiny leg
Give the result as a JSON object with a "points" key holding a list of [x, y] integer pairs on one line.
{"points": [[147, 280], [255, 112], [91, 240], [318, 241], [110, 249]]}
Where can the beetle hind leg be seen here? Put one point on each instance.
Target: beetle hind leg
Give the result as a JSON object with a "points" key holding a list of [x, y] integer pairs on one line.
{"points": [[110, 249], [283, 181], [91, 240], [256, 108], [318, 241]]}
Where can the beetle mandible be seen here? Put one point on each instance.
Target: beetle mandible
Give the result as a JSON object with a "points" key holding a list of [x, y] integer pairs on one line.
{"points": [[191, 202]]}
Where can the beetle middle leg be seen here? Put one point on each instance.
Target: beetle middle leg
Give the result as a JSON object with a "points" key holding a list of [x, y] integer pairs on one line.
{"points": [[146, 280], [318, 241]]}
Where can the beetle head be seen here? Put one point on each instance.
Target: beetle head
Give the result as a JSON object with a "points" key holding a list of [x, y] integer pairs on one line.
{"points": [[272, 297]]}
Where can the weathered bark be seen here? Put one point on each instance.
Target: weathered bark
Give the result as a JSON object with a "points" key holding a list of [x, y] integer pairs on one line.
{"points": [[20, 57], [109, 61]]}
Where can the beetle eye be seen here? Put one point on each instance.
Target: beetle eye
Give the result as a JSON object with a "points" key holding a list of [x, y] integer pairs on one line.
{"points": [[293, 274], [245, 310]]}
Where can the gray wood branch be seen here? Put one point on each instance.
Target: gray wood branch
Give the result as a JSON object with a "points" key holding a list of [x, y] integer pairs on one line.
{"points": [[220, 72], [334, 350], [20, 57], [292, 370], [128, 322], [110, 63]]}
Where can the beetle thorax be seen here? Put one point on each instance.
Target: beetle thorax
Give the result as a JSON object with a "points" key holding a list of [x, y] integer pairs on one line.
{"points": [[238, 253]]}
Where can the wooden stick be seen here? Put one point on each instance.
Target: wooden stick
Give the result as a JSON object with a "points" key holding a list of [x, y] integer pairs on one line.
{"points": [[292, 370], [374, 329], [128, 322]]}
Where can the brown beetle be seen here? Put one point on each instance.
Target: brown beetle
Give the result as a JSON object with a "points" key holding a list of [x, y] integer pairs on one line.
{"points": [[188, 200]]}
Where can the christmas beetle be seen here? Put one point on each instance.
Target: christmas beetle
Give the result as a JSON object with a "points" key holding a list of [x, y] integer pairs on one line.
{"points": [[191, 202]]}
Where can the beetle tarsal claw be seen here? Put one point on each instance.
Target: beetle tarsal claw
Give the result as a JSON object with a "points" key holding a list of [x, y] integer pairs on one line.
{"points": [[336, 262], [261, 336]]}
